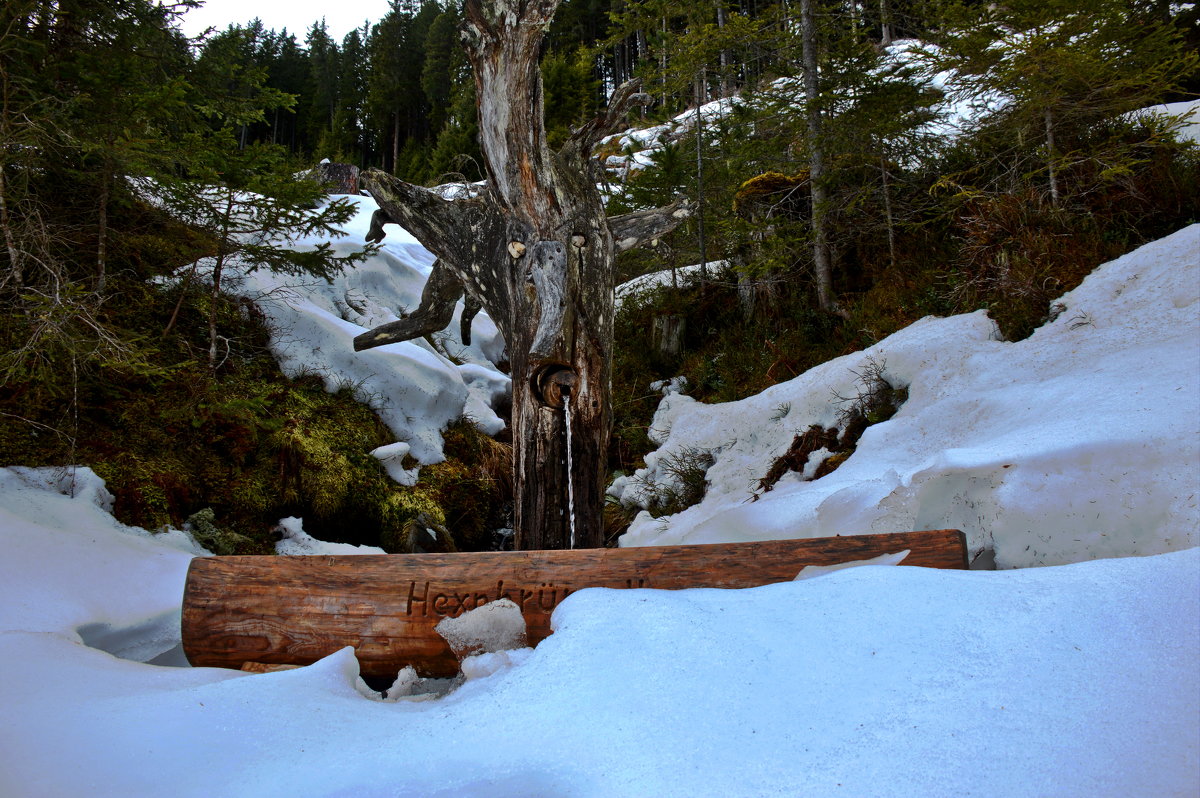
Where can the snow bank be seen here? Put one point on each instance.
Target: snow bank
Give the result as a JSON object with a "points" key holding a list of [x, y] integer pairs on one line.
{"points": [[1080, 442], [415, 388], [647, 283], [883, 681], [296, 542], [68, 567]]}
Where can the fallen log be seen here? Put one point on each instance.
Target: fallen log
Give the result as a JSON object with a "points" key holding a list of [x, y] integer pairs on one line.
{"points": [[295, 610]]}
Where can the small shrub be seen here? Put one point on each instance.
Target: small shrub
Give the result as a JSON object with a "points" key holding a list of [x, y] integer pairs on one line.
{"points": [[876, 400], [682, 481]]}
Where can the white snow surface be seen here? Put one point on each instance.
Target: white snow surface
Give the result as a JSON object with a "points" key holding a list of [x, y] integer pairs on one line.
{"points": [[296, 542], [1078, 444], [1076, 680], [414, 387], [646, 284], [1081, 442]]}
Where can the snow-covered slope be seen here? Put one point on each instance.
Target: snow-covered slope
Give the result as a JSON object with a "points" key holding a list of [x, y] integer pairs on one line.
{"points": [[415, 388], [1075, 680], [958, 107], [1082, 441], [876, 681]]}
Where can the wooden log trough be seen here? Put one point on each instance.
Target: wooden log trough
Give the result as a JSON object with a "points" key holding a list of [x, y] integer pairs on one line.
{"points": [[296, 610]]}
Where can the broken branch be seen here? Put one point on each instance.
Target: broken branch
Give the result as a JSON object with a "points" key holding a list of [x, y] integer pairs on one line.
{"points": [[429, 217], [634, 229], [627, 95], [436, 309]]}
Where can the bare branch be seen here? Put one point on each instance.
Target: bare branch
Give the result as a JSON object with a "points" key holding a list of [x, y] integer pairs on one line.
{"points": [[436, 222], [442, 291], [634, 229], [627, 95], [471, 308]]}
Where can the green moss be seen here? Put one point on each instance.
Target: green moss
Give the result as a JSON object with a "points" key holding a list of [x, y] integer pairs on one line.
{"points": [[204, 529], [246, 446]]}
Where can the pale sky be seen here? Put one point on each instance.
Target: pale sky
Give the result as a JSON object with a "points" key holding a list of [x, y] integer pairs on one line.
{"points": [[341, 16]]}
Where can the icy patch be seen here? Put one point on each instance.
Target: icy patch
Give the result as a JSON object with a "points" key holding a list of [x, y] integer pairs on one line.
{"points": [[154, 640]]}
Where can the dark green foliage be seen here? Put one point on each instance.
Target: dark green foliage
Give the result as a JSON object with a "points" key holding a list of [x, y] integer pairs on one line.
{"points": [[571, 93], [112, 133], [247, 446]]}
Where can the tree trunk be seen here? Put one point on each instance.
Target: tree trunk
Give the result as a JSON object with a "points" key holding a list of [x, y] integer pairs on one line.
{"points": [[535, 249], [15, 258], [218, 268], [700, 95], [822, 269], [106, 179], [1053, 174], [395, 143], [887, 210], [662, 63], [726, 57]]}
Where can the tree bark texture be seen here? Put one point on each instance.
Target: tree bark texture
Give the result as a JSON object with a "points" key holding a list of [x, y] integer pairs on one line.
{"points": [[535, 250], [822, 269], [299, 609]]}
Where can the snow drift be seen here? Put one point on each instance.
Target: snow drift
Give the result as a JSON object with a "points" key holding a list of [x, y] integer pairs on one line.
{"points": [[1078, 443], [873, 681], [415, 387]]}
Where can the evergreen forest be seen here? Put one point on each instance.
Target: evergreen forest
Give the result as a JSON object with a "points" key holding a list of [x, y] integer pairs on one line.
{"points": [[835, 204]]}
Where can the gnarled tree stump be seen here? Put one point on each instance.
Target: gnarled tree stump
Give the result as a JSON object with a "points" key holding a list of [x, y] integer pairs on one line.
{"points": [[535, 249]]}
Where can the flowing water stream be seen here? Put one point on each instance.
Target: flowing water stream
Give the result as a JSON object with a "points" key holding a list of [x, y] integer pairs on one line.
{"points": [[570, 467]]}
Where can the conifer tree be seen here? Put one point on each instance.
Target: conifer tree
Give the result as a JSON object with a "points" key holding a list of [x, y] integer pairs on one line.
{"points": [[1053, 74], [248, 201]]}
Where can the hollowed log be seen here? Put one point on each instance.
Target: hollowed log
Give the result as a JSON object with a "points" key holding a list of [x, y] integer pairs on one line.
{"points": [[295, 610]]}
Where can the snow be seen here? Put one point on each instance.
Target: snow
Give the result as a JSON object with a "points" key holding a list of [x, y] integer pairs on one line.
{"points": [[961, 105], [296, 542], [493, 627], [641, 286], [415, 388], [1186, 114], [1078, 443], [1073, 449], [1077, 680]]}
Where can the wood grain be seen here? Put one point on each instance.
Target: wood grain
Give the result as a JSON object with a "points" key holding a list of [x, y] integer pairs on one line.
{"points": [[295, 610]]}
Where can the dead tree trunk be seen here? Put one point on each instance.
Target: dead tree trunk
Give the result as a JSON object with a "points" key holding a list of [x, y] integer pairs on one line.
{"points": [[536, 250]]}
